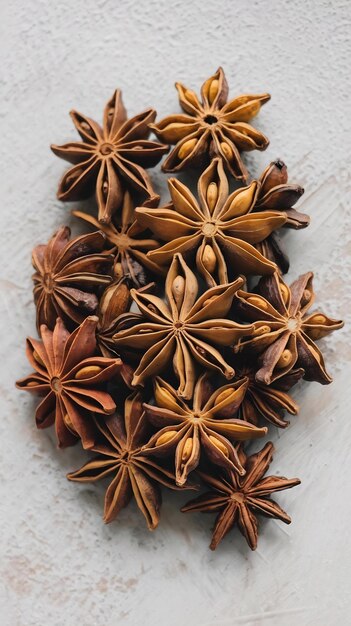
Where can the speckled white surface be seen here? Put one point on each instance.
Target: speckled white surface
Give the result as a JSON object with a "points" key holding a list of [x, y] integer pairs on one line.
{"points": [[59, 565]]}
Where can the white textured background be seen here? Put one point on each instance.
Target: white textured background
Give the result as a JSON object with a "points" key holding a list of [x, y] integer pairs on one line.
{"points": [[59, 565]]}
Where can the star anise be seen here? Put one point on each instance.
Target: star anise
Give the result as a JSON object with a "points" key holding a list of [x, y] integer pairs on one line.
{"points": [[207, 428], [115, 301], [212, 127], [238, 500], [130, 244], [69, 376], [221, 228], [121, 457], [68, 273], [110, 159], [284, 335], [184, 328], [268, 402], [276, 194]]}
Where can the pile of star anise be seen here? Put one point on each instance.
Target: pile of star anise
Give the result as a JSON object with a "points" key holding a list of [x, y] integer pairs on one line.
{"points": [[168, 337]]}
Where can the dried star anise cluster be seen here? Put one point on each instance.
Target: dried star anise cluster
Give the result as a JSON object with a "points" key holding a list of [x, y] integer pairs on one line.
{"points": [[168, 337]]}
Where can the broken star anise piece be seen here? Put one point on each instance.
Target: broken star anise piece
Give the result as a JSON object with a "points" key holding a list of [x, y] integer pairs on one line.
{"points": [[277, 194], [110, 159], [115, 301], [238, 500], [267, 402], [121, 458], [221, 228], [68, 274], [285, 334], [205, 429], [182, 329], [70, 377], [212, 128], [130, 245]]}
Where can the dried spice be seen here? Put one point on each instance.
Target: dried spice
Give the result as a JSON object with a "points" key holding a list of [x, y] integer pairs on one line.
{"points": [[284, 333], [212, 128], [265, 402], [205, 429], [238, 500], [130, 245], [221, 228], [69, 376], [188, 267], [121, 457], [277, 194], [68, 275], [183, 329], [111, 158]]}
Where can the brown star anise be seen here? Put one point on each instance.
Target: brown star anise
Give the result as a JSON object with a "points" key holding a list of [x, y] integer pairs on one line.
{"points": [[184, 328], [212, 127], [262, 401], [208, 428], [70, 376], [276, 194], [130, 245], [284, 335], [238, 500], [121, 457], [221, 228], [67, 275], [115, 301], [110, 159]]}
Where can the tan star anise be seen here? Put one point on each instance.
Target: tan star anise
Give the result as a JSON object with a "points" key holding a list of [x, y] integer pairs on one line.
{"points": [[68, 274], [238, 500], [110, 159], [267, 402], [212, 128], [130, 244], [205, 429], [181, 331], [277, 194], [121, 458], [221, 228], [284, 334], [70, 377]]}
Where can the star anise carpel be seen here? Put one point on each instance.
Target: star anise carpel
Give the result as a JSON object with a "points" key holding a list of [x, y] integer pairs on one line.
{"points": [[120, 457], [207, 429], [276, 193], [130, 244], [183, 331], [70, 377], [68, 276], [212, 127], [239, 499], [221, 228], [285, 334], [110, 159]]}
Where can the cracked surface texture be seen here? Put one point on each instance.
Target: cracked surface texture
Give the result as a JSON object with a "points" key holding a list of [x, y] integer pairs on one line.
{"points": [[59, 564]]}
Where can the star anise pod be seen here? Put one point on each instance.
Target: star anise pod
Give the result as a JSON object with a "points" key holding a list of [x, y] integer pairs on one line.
{"points": [[277, 194], [207, 428], [68, 274], [238, 500], [182, 329], [268, 402], [130, 244], [285, 334], [69, 376], [212, 128], [121, 458], [221, 228], [110, 159], [115, 301]]}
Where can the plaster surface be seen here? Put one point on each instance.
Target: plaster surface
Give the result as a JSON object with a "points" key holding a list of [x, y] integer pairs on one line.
{"points": [[59, 565]]}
